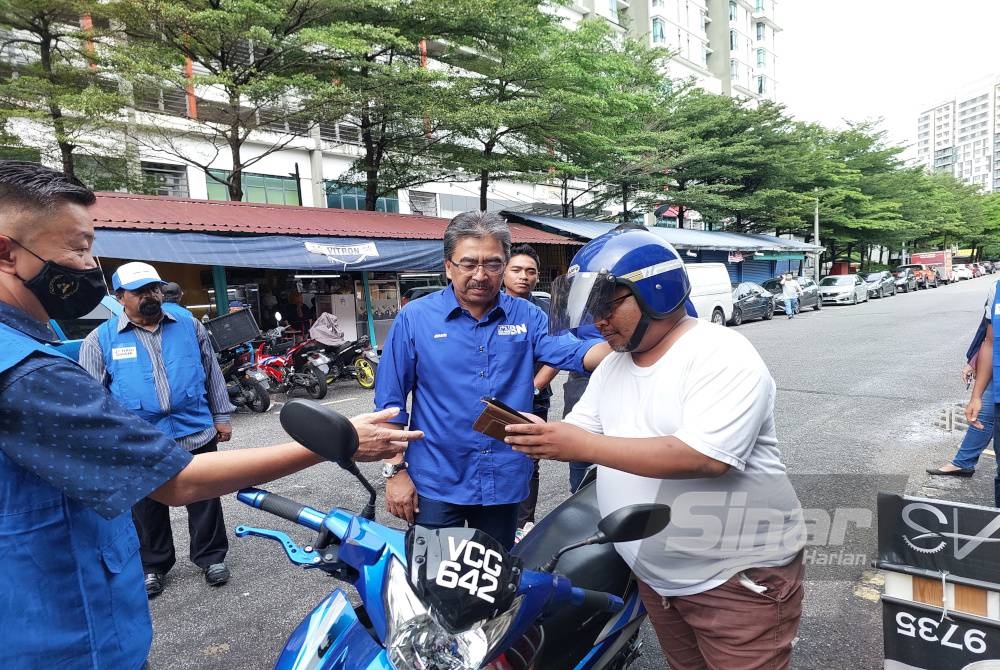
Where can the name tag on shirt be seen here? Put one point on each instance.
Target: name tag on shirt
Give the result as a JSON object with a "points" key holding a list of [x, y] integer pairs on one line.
{"points": [[123, 353], [996, 309]]}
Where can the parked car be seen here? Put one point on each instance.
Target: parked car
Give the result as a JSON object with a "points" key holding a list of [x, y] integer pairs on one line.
{"points": [[711, 291], [418, 292], [843, 289], [977, 270], [810, 293], [988, 267], [925, 275], [880, 284], [960, 271], [905, 280], [751, 301]]}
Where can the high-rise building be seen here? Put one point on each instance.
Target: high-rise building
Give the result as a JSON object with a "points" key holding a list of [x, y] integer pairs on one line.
{"points": [[960, 136]]}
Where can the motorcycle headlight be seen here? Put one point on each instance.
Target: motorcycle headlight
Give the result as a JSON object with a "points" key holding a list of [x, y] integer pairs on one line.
{"points": [[416, 640]]}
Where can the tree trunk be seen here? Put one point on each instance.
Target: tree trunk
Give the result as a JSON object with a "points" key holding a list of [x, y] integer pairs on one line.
{"points": [[55, 111], [625, 218], [680, 216], [235, 182], [484, 174]]}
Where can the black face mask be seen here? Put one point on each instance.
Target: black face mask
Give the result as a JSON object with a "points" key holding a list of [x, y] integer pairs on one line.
{"points": [[65, 293], [150, 307]]}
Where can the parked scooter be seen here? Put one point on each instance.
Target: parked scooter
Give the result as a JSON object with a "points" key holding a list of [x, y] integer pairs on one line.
{"points": [[289, 366], [347, 359], [454, 598], [246, 384]]}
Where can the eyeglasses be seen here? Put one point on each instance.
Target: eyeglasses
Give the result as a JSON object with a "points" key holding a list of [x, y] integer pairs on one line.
{"points": [[605, 311], [493, 267], [148, 288]]}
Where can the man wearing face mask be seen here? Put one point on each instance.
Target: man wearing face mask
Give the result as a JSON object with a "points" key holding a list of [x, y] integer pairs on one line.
{"points": [[73, 460], [186, 400]]}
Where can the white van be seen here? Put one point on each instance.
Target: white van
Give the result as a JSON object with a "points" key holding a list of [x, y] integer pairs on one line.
{"points": [[711, 291]]}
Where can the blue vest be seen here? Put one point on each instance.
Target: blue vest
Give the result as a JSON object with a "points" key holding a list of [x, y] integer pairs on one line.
{"points": [[71, 586], [131, 370]]}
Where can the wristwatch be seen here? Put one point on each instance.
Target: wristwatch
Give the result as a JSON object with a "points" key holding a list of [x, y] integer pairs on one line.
{"points": [[390, 470], [538, 391]]}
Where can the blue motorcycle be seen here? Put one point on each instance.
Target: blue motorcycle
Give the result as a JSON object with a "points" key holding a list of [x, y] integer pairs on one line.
{"points": [[454, 598]]}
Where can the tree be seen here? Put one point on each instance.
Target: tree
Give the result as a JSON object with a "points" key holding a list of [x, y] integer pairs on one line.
{"points": [[530, 83], [55, 82], [228, 72]]}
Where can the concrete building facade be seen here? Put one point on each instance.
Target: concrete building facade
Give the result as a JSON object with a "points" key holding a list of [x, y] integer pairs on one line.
{"points": [[961, 136]]}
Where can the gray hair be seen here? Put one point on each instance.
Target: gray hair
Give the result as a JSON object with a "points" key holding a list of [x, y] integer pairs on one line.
{"points": [[480, 225]]}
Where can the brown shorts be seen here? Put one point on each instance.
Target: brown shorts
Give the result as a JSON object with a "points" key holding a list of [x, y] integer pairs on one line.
{"points": [[731, 627]]}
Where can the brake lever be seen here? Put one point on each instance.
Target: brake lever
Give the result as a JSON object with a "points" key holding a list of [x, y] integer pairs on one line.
{"points": [[305, 557]]}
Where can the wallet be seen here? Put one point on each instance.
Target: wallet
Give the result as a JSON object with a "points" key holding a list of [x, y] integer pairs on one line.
{"points": [[493, 419]]}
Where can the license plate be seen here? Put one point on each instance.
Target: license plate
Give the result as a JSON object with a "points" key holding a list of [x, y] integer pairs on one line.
{"points": [[258, 375], [323, 368]]}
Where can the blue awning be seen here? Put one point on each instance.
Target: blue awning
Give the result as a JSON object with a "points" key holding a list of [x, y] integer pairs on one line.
{"points": [[279, 252], [681, 238]]}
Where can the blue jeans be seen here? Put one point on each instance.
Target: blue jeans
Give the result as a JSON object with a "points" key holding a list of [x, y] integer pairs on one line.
{"points": [[499, 521], [791, 306], [977, 439]]}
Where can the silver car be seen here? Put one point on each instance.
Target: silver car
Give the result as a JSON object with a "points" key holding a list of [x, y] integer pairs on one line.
{"points": [[880, 284], [843, 289]]}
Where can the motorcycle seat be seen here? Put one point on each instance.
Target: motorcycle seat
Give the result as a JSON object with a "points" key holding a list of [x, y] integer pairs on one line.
{"points": [[343, 346], [571, 631], [280, 347]]}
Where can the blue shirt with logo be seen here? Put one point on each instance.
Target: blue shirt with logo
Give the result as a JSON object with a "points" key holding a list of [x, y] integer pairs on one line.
{"points": [[445, 361], [72, 463]]}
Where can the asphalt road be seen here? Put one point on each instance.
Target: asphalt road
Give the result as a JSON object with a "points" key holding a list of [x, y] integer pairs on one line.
{"points": [[859, 389]]}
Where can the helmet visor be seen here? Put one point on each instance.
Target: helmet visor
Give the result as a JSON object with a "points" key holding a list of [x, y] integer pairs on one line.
{"points": [[578, 299]]}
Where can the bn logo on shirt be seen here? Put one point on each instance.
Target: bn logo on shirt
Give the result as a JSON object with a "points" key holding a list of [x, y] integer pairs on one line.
{"points": [[512, 329]]}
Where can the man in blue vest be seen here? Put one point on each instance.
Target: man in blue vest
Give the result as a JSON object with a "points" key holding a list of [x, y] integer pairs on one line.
{"points": [[158, 361], [73, 461]]}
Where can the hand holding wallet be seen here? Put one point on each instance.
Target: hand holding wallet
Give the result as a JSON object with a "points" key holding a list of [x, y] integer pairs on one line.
{"points": [[495, 416]]}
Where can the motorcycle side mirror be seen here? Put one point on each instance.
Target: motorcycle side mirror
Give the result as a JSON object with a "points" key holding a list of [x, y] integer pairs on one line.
{"points": [[634, 522], [277, 317], [330, 434], [321, 430]]}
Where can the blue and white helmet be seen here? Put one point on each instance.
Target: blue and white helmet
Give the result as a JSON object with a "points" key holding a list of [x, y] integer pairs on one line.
{"points": [[628, 255]]}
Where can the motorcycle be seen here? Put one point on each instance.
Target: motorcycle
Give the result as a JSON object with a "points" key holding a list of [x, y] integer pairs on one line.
{"points": [[289, 366], [246, 384], [454, 598], [355, 360]]}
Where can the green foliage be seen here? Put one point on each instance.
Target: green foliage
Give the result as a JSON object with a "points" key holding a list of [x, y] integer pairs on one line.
{"points": [[56, 80]]}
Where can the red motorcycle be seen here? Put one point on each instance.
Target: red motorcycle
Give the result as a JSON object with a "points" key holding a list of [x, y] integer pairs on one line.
{"points": [[289, 366]]}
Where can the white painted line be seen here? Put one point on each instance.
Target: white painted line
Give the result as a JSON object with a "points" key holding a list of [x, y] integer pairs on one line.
{"points": [[990, 452], [334, 402]]}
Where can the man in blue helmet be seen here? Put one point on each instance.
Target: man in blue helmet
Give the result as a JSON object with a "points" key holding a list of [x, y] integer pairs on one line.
{"points": [[682, 413]]}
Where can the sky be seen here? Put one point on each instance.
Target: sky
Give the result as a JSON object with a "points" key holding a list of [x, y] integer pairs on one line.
{"points": [[865, 59]]}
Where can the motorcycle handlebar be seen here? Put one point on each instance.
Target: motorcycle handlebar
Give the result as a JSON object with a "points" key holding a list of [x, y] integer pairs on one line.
{"points": [[286, 508], [596, 600]]}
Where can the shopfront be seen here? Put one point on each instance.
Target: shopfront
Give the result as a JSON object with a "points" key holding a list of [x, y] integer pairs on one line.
{"points": [[356, 265]]}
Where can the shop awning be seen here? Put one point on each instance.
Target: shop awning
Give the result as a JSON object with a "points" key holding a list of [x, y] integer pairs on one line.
{"points": [[681, 238], [280, 252]]}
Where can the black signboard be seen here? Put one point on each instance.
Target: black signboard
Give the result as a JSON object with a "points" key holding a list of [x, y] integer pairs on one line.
{"points": [[918, 638], [939, 536]]}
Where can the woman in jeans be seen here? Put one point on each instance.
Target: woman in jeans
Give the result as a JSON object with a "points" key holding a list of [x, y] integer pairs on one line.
{"points": [[976, 439]]}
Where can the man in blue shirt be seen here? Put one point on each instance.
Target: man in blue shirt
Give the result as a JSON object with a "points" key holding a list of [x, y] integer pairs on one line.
{"points": [[73, 461], [444, 353]]}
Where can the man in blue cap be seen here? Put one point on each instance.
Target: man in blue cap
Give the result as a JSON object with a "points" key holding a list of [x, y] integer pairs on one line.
{"points": [[187, 400]]}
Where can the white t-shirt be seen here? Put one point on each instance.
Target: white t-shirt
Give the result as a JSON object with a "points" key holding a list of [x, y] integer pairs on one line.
{"points": [[712, 391], [790, 289]]}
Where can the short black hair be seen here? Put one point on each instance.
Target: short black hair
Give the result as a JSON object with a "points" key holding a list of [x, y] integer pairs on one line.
{"points": [[25, 185], [172, 292], [526, 250]]}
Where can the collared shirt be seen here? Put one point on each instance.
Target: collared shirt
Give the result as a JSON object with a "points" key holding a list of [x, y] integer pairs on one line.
{"points": [[66, 448], [92, 359], [445, 361]]}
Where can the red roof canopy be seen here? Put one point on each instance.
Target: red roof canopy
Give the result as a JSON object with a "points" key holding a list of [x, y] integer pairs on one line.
{"points": [[149, 212]]}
